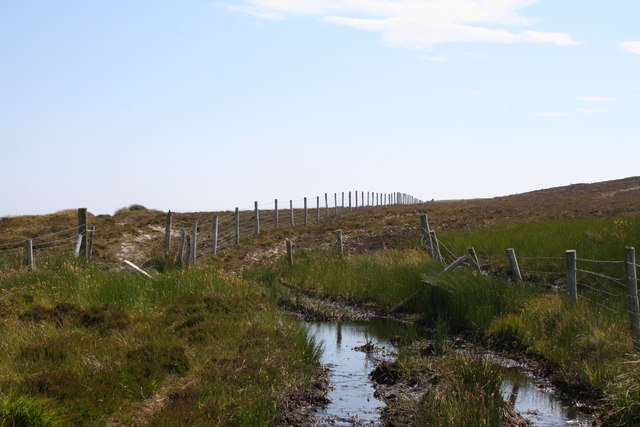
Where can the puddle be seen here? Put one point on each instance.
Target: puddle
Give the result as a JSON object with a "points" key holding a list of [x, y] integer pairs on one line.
{"points": [[352, 395]]}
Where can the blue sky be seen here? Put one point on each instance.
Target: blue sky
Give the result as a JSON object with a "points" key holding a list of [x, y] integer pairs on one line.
{"points": [[201, 105]]}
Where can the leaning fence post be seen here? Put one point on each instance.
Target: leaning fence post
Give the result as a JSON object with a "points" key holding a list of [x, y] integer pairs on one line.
{"points": [[426, 235], [28, 254], [237, 226], [340, 243], [515, 268], [183, 237], [90, 235], [275, 213], [293, 221], [78, 245], [632, 294], [167, 233], [326, 205], [289, 252], [82, 228], [572, 283], [474, 257], [305, 211], [194, 242], [256, 213], [436, 246], [456, 263], [215, 234]]}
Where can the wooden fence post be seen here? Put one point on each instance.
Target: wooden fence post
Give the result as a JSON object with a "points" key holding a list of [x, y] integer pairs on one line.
{"points": [[340, 243], [326, 205], [436, 246], [78, 245], [183, 237], [237, 226], [276, 214], [293, 220], [256, 213], [362, 199], [474, 257], [456, 263], [188, 249], [305, 211], [356, 200], [632, 294], [82, 229], [317, 208], [349, 201], [426, 235], [342, 210], [28, 254], [572, 283], [194, 242], [289, 252], [167, 233], [215, 234], [335, 203], [90, 235], [515, 268]]}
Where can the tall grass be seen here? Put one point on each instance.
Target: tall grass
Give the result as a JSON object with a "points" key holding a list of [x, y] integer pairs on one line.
{"points": [[93, 347]]}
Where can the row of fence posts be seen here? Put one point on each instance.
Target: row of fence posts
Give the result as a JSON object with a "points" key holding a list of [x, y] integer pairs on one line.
{"points": [[432, 246], [83, 244], [188, 242]]}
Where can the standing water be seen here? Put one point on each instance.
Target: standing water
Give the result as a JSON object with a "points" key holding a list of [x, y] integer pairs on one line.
{"points": [[352, 398]]}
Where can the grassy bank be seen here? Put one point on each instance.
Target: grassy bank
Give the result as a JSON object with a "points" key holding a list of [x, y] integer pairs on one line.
{"points": [[197, 347]]}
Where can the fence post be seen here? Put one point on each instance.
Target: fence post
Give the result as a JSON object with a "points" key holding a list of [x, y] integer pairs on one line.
{"points": [[78, 245], [293, 221], [90, 235], [342, 210], [188, 247], [335, 203], [326, 205], [167, 233], [256, 214], [356, 200], [572, 283], [362, 199], [456, 263], [194, 242], [340, 243], [632, 294], [515, 268], [276, 214], [426, 235], [349, 201], [305, 211], [237, 226], [215, 234], [82, 229], [474, 257], [183, 237], [28, 254], [317, 208], [436, 246], [289, 252]]}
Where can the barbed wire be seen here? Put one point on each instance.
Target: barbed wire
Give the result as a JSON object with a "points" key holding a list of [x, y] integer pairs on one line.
{"points": [[604, 276], [543, 272], [600, 261], [613, 310], [494, 262], [541, 257], [600, 290]]}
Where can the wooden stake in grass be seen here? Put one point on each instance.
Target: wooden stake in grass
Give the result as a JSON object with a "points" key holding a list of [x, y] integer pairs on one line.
{"points": [[183, 237], [256, 213], [335, 203], [167, 234], [340, 243], [237, 226], [356, 200], [28, 254], [426, 235], [289, 252], [349, 201], [188, 250], [572, 283], [275, 213], [194, 242], [456, 263], [82, 229], [90, 235], [293, 220], [436, 246], [342, 210], [632, 294], [78, 245], [513, 262], [215, 234], [326, 205], [474, 257], [305, 211]]}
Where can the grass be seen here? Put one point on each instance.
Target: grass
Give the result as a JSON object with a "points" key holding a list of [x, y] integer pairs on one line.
{"points": [[191, 347]]}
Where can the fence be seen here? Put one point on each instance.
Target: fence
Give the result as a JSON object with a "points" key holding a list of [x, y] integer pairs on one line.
{"points": [[596, 287], [224, 230]]}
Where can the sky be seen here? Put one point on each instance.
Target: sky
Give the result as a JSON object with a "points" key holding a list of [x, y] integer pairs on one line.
{"points": [[198, 105]]}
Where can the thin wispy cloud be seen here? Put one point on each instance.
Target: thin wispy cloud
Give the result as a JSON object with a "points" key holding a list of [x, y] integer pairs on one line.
{"points": [[552, 114], [631, 46], [416, 23], [609, 98]]}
